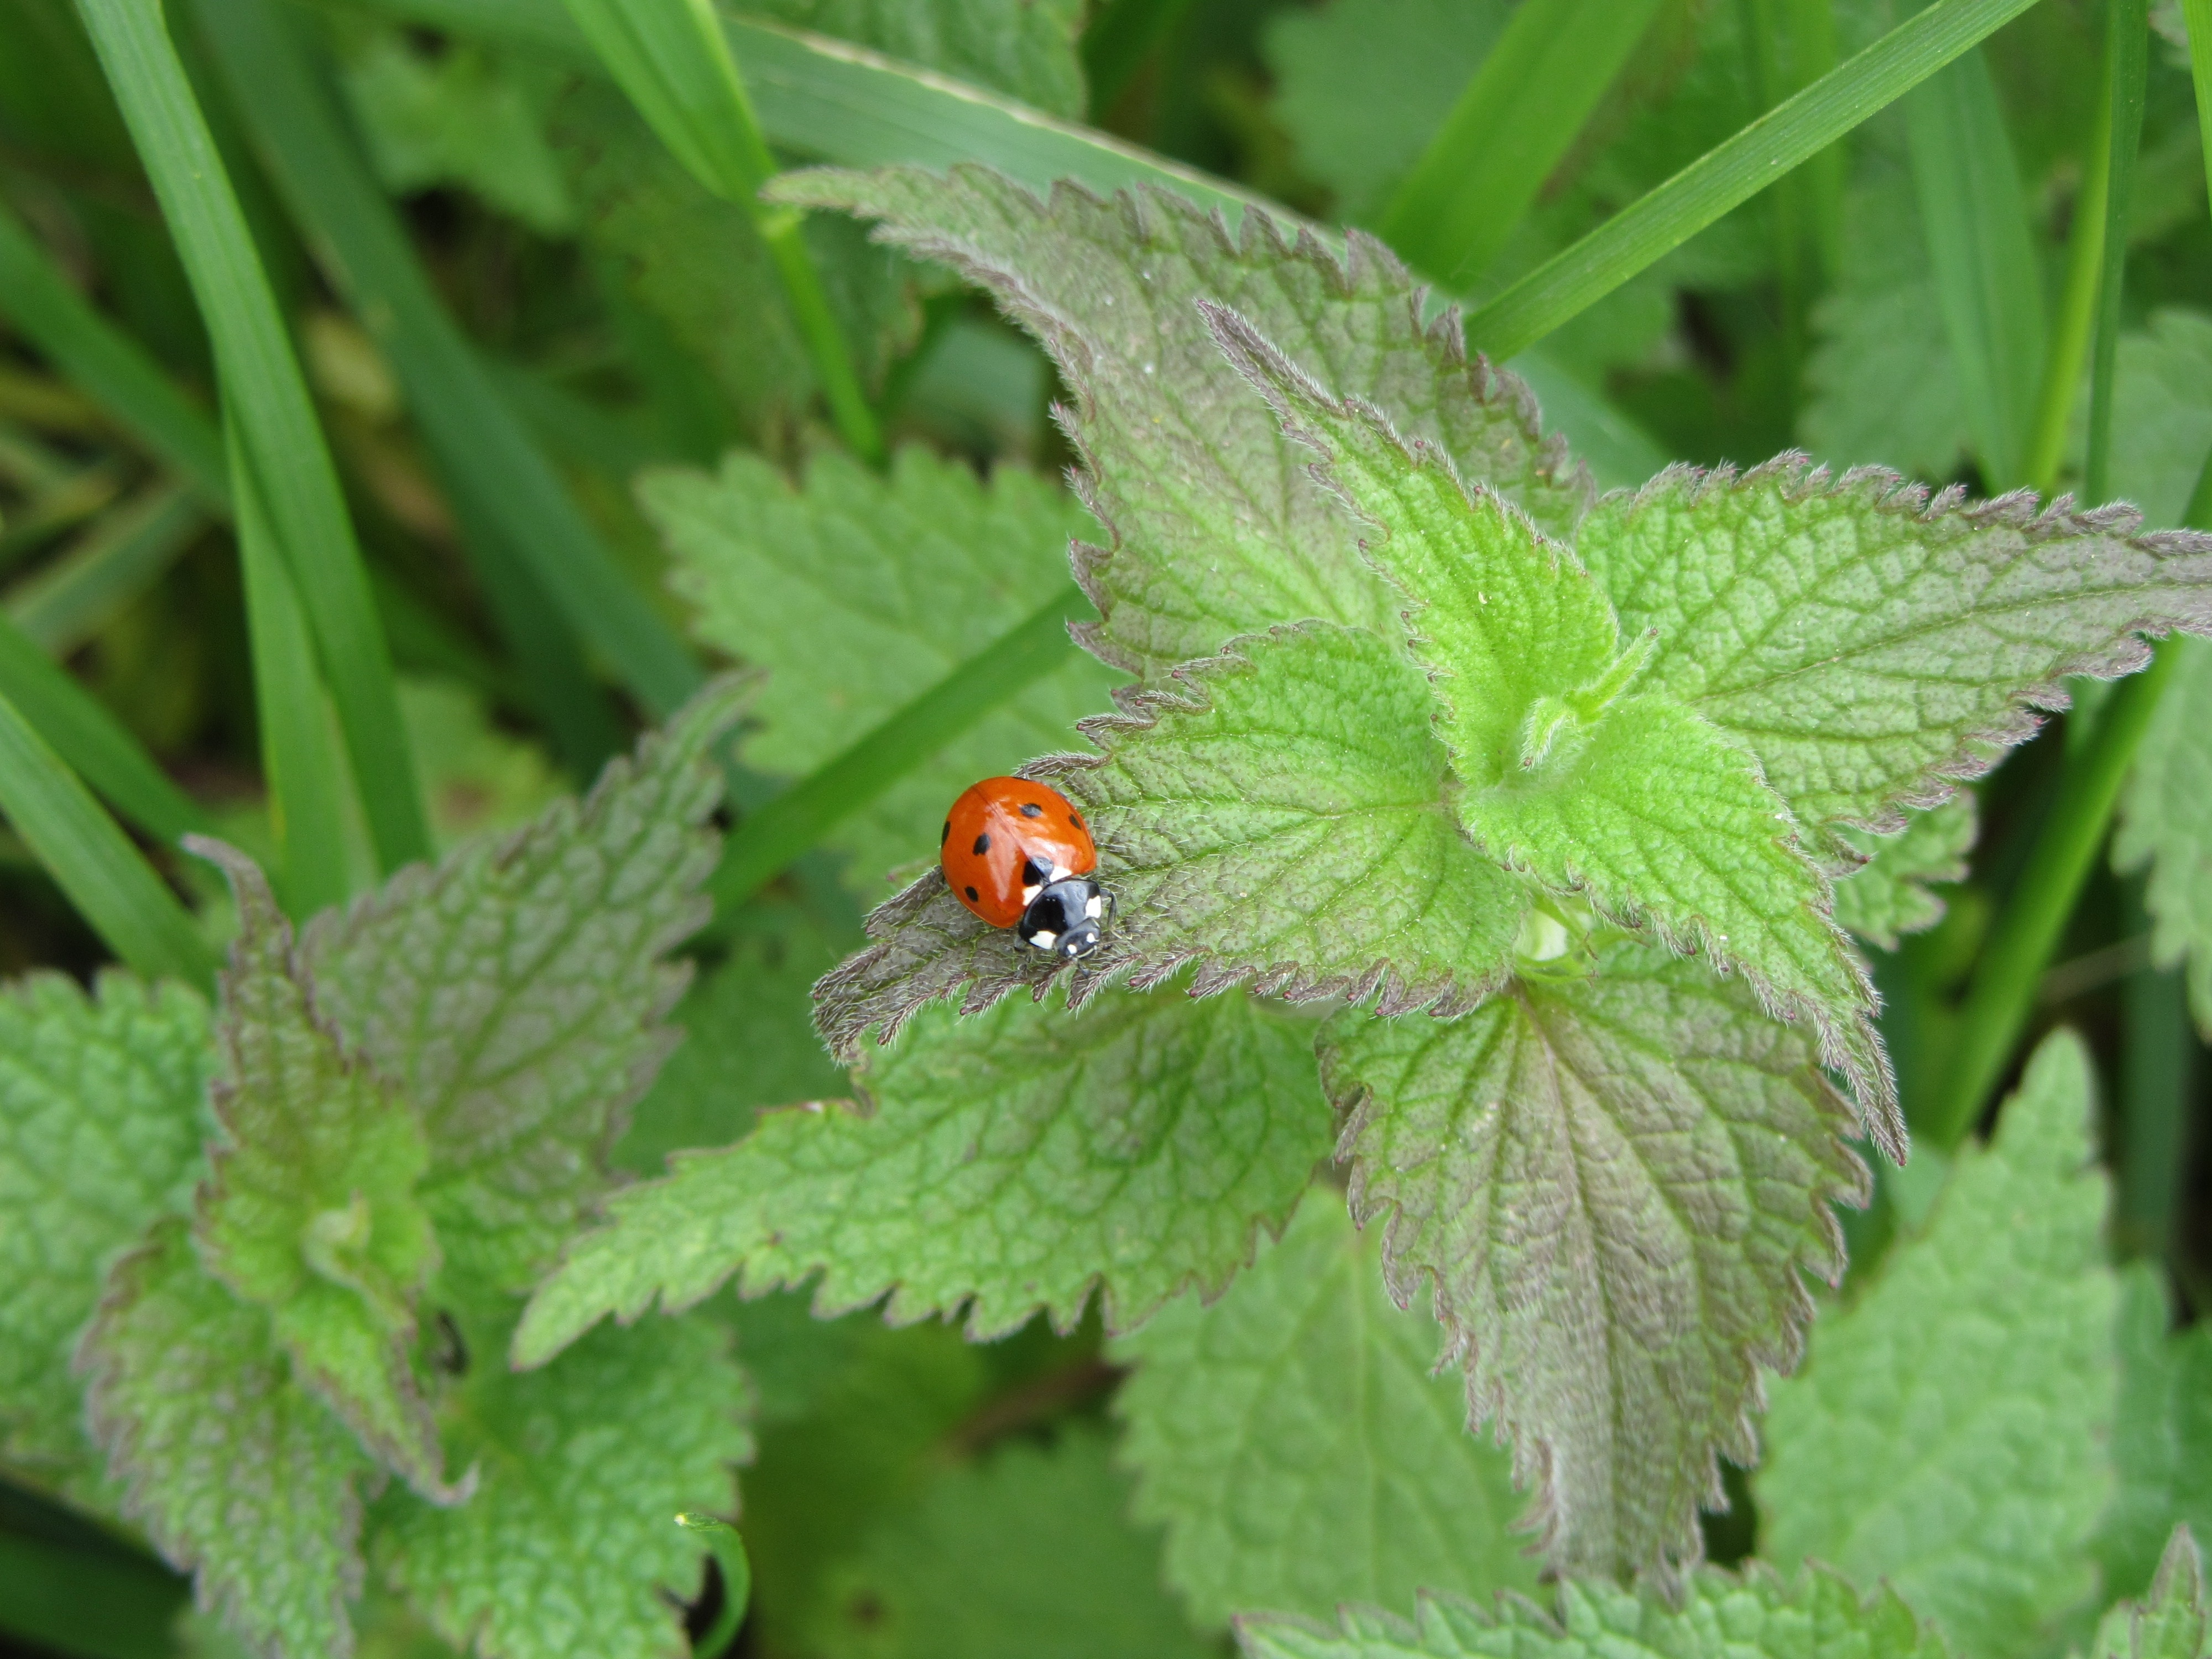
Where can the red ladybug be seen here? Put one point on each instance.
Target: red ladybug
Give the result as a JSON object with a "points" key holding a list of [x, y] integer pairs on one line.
{"points": [[1019, 855]]}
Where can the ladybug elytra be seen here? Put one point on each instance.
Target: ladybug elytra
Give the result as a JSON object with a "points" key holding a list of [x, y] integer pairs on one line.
{"points": [[1019, 855]]}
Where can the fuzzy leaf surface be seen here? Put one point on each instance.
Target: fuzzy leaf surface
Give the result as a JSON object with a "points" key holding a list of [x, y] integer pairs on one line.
{"points": [[1010, 1162], [567, 1548], [238, 1474], [1216, 530], [1887, 896], [515, 992], [2172, 1621], [2161, 1435], [1721, 1617], [858, 594], [1614, 1187], [1282, 820], [1871, 646], [1299, 1447], [1971, 1470], [102, 1114], [310, 1210], [2164, 823]]}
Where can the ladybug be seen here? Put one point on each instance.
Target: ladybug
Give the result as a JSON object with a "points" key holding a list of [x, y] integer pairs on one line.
{"points": [[1019, 855]]}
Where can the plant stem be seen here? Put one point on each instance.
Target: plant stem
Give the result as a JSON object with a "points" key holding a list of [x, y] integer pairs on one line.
{"points": [[2077, 307], [2127, 47]]}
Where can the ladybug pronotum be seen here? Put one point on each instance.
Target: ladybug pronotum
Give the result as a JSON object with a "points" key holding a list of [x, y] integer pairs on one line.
{"points": [[1019, 855]]}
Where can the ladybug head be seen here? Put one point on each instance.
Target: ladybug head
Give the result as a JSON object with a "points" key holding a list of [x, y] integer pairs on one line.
{"points": [[1066, 918]]}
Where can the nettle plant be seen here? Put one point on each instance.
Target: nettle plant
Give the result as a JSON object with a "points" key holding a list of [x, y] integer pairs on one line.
{"points": [[1487, 853]]}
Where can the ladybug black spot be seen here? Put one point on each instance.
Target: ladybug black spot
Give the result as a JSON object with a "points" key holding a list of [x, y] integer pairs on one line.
{"points": [[946, 831], [1076, 818], [1031, 809], [982, 845], [973, 895]]}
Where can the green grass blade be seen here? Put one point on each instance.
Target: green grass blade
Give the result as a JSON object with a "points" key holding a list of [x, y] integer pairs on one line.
{"points": [[2196, 17], [2127, 52], [529, 543], [1523, 107], [2071, 330], [673, 60], [93, 861], [106, 362], [265, 394], [1811, 25], [1974, 217], [728, 1549], [92, 742], [770, 838], [72, 598], [1734, 172], [306, 785]]}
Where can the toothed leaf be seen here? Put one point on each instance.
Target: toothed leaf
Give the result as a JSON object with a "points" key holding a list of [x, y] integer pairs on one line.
{"points": [[1010, 1163], [2164, 823], [1296, 1441], [102, 1118], [858, 594], [1948, 1429], [514, 992], [238, 1474], [1215, 529], [1615, 1187], [1889, 896], [569, 1545], [2172, 1621], [1720, 1617], [1282, 821], [1870, 645], [311, 1211]]}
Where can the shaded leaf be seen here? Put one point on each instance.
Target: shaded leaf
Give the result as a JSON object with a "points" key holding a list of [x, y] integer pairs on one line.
{"points": [[2162, 412], [2161, 1434], [1615, 1187], [1888, 894], [1296, 1441], [1025, 47], [2164, 823]]}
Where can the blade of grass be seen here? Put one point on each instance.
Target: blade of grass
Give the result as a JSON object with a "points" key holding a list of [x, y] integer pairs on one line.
{"points": [[266, 396], [1733, 172], [65, 603], [1521, 110], [2127, 47], [789, 823], [531, 547], [92, 742], [93, 861], [674, 60], [2046, 450], [308, 807], [1974, 217], [1811, 25], [2196, 18], [104, 361], [736, 1569], [2158, 1063]]}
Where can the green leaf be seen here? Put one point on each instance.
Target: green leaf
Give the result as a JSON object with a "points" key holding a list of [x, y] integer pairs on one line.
{"points": [[310, 1210], [1753, 1616], [1023, 47], [1022, 1553], [858, 593], [1655, 817], [1215, 530], [1615, 1185], [2162, 414], [1281, 820], [2161, 1434], [1969, 1471], [513, 994], [1869, 645], [236, 1472], [102, 1118], [1004, 1164], [2173, 1622], [1888, 894], [567, 1547], [1296, 1441]]}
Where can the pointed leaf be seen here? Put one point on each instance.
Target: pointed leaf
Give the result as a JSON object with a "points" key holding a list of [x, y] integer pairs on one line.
{"points": [[1888, 894], [1216, 531], [1615, 1187], [1871, 646], [513, 994], [1281, 820], [1009, 1162], [2172, 1620], [310, 1209], [1948, 1431], [237, 1472], [1297, 1443], [101, 1117], [1720, 1617], [569, 1547]]}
